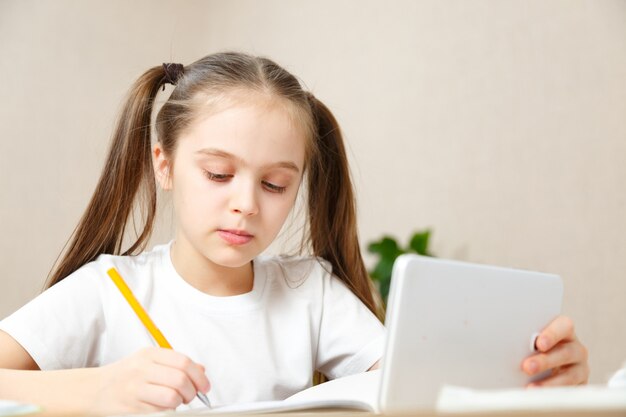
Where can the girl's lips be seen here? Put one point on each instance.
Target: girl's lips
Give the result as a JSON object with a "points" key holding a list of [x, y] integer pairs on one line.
{"points": [[235, 237]]}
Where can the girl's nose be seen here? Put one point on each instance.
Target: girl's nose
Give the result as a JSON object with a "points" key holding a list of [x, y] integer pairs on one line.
{"points": [[244, 200]]}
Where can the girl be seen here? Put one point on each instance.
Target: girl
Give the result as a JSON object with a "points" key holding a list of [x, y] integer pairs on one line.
{"points": [[235, 142]]}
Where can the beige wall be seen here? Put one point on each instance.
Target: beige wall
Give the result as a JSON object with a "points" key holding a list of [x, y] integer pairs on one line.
{"points": [[500, 124]]}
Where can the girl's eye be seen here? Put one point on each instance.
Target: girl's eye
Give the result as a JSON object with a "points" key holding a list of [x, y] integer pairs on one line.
{"points": [[225, 177], [273, 187], [217, 177]]}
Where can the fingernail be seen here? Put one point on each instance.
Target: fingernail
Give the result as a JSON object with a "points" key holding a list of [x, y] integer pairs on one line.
{"points": [[532, 367], [543, 343]]}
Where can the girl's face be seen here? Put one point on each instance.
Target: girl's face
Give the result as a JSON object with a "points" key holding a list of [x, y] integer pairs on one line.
{"points": [[236, 177]]}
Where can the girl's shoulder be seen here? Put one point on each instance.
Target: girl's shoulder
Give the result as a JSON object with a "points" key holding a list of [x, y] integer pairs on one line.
{"points": [[145, 259], [131, 267]]}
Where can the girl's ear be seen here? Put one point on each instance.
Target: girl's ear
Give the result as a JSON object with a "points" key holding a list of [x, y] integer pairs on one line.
{"points": [[161, 167]]}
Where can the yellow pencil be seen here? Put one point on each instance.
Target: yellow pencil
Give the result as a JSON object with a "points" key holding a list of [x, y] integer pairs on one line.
{"points": [[145, 318]]}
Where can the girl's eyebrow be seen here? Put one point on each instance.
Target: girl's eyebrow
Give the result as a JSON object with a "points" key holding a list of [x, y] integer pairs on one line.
{"points": [[223, 154]]}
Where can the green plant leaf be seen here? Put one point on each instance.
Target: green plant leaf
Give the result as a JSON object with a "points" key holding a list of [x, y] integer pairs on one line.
{"points": [[388, 250], [419, 242], [384, 289], [383, 269], [387, 247]]}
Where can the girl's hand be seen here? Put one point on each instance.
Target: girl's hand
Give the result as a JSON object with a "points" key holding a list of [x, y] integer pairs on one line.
{"points": [[152, 379], [560, 351]]}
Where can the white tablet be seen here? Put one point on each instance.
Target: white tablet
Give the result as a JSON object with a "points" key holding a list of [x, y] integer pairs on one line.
{"points": [[458, 323]]}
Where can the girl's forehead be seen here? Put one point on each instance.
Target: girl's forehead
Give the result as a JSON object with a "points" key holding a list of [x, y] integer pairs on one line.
{"points": [[255, 131]]}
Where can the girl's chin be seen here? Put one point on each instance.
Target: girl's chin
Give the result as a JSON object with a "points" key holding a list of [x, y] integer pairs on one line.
{"points": [[224, 255], [228, 259]]}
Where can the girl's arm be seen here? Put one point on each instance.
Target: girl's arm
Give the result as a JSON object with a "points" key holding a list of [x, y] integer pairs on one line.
{"points": [[14, 356], [152, 379]]}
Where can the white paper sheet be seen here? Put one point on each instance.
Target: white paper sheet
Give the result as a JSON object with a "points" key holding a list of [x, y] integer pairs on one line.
{"points": [[12, 408], [589, 397]]}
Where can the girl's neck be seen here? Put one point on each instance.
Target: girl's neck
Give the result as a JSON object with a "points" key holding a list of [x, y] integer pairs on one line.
{"points": [[208, 277]]}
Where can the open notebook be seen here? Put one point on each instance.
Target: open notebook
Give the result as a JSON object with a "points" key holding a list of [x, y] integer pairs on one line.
{"points": [[356, 392], [359, 392]]}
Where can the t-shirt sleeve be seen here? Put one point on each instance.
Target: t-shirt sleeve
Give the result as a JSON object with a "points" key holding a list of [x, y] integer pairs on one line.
{"points": [[60, 328], [351, 337]]}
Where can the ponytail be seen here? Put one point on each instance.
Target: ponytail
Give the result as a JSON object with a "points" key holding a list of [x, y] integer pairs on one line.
{"points": [[127, 170], [332, 208]]}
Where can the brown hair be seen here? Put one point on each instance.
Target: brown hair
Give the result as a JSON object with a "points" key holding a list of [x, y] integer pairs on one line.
{"points": [[128, 176]]}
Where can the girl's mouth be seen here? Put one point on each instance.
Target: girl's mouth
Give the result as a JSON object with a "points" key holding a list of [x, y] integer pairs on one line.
{"points": [[235, 237]]}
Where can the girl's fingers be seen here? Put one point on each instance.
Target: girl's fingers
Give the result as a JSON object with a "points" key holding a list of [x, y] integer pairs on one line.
{"points": [[560, 329], [173, 359], [563, 354], [152, 379], [158, 397], [172, 378], [569, 375]]}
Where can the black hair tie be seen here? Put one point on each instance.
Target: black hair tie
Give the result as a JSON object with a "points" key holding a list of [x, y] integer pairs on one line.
{"points": [[173, 72]]}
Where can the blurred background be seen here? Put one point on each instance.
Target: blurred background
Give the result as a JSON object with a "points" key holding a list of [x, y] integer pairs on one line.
{"points": [[499, 125]]}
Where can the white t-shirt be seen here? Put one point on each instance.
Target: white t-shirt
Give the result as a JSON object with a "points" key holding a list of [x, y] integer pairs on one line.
{"points": [[262, 345]]}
